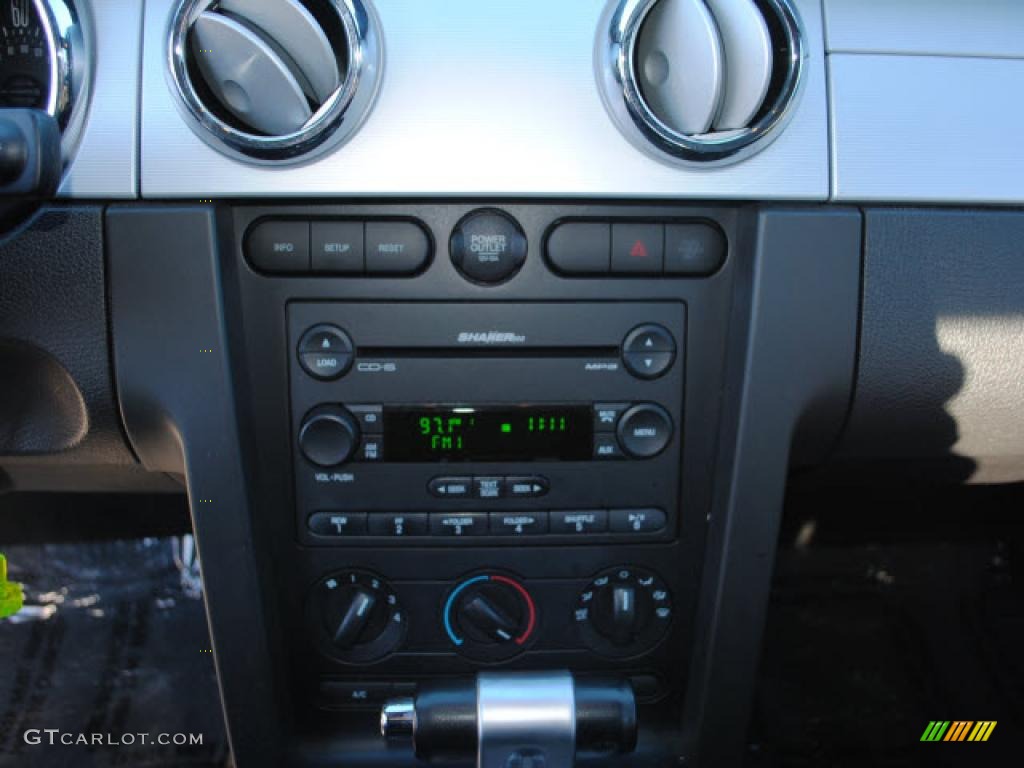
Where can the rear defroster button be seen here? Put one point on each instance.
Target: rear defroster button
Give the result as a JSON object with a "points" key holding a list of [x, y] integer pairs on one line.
{"points": [[645, 430]]}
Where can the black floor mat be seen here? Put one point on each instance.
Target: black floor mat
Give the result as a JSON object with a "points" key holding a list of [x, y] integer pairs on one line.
{"points": [[109, 644], [871, 636]]}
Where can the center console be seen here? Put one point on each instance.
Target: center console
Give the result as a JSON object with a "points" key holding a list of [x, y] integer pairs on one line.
{"points": [[501, 442]]}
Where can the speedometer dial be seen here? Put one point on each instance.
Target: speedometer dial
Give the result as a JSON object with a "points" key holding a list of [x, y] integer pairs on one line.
{"points": [[25, 63]]}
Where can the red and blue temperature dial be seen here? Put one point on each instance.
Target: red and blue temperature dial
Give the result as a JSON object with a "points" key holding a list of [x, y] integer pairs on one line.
{"points": [[490, 617]]}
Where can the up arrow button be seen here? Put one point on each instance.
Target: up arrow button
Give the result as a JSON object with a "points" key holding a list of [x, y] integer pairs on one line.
{"points": [[648, 351]]}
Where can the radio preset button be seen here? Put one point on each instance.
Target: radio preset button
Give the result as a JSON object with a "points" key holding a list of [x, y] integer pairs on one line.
{"points": [[398, 524], [488, 246], [637, 520], [526, 487], [325, 352], [581, 521], [648, 351], [451, 487], [519, 523], [645, 430], [458, 524], [606, 415], [489, 487], [337, 524]]}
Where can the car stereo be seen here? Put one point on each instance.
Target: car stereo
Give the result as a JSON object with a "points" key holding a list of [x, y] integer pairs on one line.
{"points": [[463, 420]]}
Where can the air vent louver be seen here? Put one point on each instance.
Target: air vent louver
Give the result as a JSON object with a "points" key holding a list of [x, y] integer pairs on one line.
{"points": [[700, 81], [274, 80]]}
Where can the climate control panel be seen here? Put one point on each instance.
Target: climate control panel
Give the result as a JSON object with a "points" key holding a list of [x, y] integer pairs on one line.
{"points": [[489, 616]]}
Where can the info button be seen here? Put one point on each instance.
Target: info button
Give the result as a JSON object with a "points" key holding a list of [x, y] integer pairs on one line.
{"points": [[279, 246]]}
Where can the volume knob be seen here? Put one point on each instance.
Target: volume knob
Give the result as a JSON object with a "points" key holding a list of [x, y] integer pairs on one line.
{"points": [[329, 435]]}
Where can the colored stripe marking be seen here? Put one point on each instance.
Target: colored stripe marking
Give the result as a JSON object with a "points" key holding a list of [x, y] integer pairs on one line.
{"points": [[532, 619], [448, 607]]}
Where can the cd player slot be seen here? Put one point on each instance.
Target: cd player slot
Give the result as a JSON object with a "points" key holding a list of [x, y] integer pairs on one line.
{"points": [[485, 352]]}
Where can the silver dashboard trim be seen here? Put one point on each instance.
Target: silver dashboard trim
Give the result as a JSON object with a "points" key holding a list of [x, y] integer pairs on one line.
{"points": [[984, 28], [489, 99], [101, 155], [926, 129]]}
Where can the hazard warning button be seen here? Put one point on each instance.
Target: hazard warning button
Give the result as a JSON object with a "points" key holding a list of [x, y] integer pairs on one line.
{"points": [[648, 351], [638, 248]]}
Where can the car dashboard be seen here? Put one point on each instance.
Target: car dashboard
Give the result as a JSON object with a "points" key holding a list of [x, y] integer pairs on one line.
{"points": [[485, 338]]}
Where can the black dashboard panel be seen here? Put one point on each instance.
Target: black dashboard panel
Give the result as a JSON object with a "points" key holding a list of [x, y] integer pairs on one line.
{"points": [[351, 614]]}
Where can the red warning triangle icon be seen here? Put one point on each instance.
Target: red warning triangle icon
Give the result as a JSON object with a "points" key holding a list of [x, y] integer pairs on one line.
{"points": [[639, 249]]}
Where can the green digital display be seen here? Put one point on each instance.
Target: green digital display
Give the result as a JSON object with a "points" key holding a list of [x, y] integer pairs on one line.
{"points": [[488, 433]]}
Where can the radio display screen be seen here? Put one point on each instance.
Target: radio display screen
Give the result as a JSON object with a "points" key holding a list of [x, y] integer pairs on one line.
{"points": [[488, 433]]}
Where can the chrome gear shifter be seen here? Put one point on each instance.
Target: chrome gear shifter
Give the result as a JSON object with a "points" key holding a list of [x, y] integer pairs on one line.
{"points": [[515, 719]]}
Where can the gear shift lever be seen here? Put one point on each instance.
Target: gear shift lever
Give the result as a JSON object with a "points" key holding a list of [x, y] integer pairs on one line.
{"points": [[527, 719]]}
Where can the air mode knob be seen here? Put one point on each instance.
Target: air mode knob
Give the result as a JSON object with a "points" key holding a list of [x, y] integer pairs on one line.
{"points": [[624, 612], [329, 435]]}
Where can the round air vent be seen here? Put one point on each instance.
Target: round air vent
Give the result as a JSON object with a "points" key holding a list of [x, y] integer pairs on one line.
{"points": [[274, 80], [700, 81]]}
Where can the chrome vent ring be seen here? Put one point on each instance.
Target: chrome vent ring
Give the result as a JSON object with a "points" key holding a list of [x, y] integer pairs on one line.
{"points": [[274, 81], [700, 82]]}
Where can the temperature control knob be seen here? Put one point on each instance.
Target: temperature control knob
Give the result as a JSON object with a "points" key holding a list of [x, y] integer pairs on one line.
{"points": [[490, 617], [329, 435], [623, 612], [356, 616]]}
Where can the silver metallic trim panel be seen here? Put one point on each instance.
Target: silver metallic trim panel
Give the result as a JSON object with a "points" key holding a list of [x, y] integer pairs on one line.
{"points": [[247, 76], [529, 714], [299, 34], [748, 61], [993, 28], [104, 163], [489, 98], [680, 64], [926, 129]]}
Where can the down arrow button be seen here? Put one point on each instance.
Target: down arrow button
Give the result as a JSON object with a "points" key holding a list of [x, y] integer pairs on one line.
{"points": [[648, 351]]}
